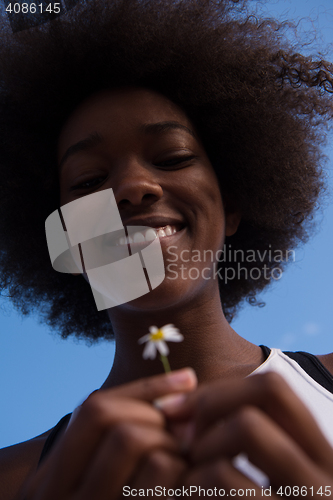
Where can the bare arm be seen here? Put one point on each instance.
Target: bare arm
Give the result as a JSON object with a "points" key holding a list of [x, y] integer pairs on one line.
{"points": [[17, 463]]}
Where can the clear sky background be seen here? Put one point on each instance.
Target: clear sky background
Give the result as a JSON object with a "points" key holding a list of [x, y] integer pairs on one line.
{"points": [[43, 377]]}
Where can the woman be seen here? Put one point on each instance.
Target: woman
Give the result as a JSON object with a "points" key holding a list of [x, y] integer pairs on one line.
{"points": [[210, 131]]}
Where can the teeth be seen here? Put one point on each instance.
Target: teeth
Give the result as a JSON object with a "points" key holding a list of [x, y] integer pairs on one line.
{"points": [[138, 238], [149, 235]]}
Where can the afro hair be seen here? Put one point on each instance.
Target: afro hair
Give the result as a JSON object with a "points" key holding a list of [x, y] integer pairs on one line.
{"points": [[261, 109]]}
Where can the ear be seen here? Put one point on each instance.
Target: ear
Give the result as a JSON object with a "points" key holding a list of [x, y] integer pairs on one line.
{"points": [[233, 215]]}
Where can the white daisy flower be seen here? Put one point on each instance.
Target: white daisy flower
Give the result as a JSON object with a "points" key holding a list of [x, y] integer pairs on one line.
{"points": [[156, 340]]}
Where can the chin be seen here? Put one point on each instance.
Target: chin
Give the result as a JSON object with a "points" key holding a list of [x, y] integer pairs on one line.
{"points": [[158, 299], [171, 294]]}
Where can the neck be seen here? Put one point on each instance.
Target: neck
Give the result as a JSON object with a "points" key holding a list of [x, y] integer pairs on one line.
{"points": [[211, 347]]}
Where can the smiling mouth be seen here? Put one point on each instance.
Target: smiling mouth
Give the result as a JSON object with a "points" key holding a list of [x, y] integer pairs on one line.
{"points": [[148, 235]]}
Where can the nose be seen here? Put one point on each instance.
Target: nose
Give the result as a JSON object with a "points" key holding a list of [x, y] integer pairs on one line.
{"points": [[136, 185]]}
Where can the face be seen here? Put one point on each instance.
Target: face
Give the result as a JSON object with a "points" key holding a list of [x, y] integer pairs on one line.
{"points": [[144, 147]]}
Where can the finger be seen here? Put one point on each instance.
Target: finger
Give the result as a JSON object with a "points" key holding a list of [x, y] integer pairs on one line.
{"points": [[270, 393], [150, 388], [99, 412], [221, 477], [183, 432], [162, 470], [267, 445], [119, 457], [95, 419]]}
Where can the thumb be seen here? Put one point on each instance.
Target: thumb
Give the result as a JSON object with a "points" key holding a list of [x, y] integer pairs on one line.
{"points": [[152, 388]]}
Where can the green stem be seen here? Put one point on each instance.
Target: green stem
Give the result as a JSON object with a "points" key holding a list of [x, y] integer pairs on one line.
{"points": [[166, 364]]}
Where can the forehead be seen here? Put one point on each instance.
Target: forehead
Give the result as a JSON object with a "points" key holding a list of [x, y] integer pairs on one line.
{"points": [[121, 109]]}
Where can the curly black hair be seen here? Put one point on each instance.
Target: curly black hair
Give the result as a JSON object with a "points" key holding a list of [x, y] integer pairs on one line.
{"points": [[261, 109]]}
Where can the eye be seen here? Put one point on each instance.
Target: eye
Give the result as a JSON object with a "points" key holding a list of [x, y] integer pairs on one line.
{"points": [[90, 183], [175, 161]]}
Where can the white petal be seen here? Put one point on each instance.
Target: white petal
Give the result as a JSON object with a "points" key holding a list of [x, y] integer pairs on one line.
{"points": [[143, 339], [162, 347], [149, 351], [153, 329], [176, 338], [169, 329], [170, 334], [173, 336], [169, 326]]}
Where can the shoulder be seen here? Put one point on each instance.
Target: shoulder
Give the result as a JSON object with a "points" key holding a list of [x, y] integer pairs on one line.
{"points": [[327, 361], [17, 462]]}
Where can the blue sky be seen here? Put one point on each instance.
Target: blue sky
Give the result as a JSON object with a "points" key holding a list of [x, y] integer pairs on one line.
{"points": [[43, 377]]}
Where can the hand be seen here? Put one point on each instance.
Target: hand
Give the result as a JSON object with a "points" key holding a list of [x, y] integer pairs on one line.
{"points": [[117, 438], [262, 417]]}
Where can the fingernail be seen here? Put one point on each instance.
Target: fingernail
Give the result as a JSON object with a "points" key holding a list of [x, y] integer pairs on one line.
{"points": [[186, 376], [170, 402]]}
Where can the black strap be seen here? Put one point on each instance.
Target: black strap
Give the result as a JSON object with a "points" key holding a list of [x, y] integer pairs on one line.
{"points": [[310, 364], [313, 367], [53, 436], [266, 350]]}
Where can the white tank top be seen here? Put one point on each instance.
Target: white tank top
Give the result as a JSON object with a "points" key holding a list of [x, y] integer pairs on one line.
{"points": [[316, 398]]}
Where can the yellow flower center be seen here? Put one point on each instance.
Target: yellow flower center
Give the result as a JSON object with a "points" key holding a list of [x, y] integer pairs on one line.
{"points": [[155, 337]]}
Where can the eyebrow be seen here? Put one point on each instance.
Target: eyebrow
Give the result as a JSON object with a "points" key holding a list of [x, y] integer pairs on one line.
{"points": [[156, 128], [148, 128], [91, 141]]}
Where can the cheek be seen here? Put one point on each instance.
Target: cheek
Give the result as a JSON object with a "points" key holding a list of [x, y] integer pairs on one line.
{"points": [[210, 198], [204, 196], [207, 186], [210, 219], [216, 223]]}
